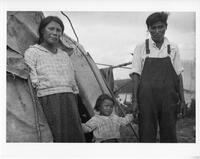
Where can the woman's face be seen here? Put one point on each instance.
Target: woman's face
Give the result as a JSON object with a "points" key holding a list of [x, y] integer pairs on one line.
{"points": [[106, 107], [52, 33], [157, 31]]}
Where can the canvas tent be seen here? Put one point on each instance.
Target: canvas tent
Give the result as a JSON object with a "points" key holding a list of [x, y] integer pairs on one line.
{"points": [[25, 118]]}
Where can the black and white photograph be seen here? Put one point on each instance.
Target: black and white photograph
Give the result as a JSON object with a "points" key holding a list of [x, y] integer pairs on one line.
{"points": [[80, 79]]}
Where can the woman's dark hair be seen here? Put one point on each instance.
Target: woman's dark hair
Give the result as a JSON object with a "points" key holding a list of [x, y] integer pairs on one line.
{"points": [[157, 17], [100, 100], [45, 22]]}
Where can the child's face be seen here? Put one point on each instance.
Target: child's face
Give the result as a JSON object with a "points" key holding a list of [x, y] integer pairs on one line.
{"points": [[106, 107]]}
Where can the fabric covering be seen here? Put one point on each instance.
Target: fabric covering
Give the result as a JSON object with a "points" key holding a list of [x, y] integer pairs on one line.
{"points": [[21, 32], [22, 29], [16, 65], [107, 73], [21, 119]]}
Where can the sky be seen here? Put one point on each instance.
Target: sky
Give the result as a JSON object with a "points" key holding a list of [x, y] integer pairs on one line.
{"points": [[110, 37]]}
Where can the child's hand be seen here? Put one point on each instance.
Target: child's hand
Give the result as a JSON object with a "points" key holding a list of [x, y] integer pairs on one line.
{"points": [[130, 116], [86, 128]]}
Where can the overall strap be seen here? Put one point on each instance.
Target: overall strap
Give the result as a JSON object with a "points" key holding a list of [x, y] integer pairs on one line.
{"points": [[148, 50], [168, 49], [147, 46]]}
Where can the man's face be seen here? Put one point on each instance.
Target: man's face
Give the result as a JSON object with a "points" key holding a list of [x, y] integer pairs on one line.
{"points": [[157, 31]]}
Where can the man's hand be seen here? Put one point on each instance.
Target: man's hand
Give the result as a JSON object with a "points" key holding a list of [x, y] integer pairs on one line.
{"points": [[182, 105], [135, 106], [136, 80], [135, 111], [181, 109]]}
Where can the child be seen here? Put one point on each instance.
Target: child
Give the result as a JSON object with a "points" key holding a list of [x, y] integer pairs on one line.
{"points": [[105, 125]]}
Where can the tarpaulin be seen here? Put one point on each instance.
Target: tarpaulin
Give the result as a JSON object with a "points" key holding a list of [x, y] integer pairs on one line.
{"points": [[107, 73], [16, 64], [21, 117]]}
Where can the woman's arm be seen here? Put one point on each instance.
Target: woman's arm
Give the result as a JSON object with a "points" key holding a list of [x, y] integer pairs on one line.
{"points": [[31, 60]]}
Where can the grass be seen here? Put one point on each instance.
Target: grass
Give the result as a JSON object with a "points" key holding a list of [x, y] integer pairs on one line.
{"points": [[185, 131]]}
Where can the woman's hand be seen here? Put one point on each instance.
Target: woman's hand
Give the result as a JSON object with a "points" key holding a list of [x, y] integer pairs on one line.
{"points": [[35, 85]]}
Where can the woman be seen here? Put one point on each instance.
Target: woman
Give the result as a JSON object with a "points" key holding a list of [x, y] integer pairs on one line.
{"points": [[52, 75]]}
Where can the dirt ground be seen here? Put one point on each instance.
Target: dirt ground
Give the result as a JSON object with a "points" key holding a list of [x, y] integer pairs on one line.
{"points": [[185, 131]]}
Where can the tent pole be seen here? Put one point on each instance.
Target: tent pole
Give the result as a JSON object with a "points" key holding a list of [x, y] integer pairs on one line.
{"points": [[71, 25], [35, 109], [131, 125]]}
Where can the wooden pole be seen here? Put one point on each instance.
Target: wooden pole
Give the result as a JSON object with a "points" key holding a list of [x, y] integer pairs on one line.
{"points": [[121, 65], [35, 103], [124, 64]]}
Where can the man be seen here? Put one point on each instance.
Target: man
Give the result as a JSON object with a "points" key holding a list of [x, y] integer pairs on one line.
{"points": [[157, 82]]}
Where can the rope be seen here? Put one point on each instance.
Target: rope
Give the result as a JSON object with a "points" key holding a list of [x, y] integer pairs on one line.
{"points": [[71, 25]]}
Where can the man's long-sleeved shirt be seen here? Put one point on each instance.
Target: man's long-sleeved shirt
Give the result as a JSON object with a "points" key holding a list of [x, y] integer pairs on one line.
{"points": [[140, 55]]}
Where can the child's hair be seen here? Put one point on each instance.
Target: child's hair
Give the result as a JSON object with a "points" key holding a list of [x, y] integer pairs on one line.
{"points": [[100, 100]]}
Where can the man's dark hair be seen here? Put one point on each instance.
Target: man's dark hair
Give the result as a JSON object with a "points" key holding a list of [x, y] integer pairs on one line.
{"points": [[45, 22], [157, 17], [100, 100]]}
